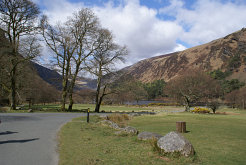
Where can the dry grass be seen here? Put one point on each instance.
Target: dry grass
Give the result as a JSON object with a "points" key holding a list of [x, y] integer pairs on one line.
{"points": [[4, 109], [120, 119]]}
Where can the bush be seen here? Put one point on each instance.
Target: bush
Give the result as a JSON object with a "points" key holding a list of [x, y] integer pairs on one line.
{"points": [[200, 110], [120, 119]]}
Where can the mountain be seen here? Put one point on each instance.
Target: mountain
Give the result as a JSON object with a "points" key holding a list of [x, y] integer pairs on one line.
{"points": [[55, 79], [227, 54], [48, 75]]}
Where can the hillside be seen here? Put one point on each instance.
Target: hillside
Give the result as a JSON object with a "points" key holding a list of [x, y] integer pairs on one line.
{"points": [[55, 79], [227, 54], [48, 75]]}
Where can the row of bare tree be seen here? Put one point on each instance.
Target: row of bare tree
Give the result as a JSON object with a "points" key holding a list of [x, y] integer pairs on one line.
{"points": [[78, 44], [82, 44]]}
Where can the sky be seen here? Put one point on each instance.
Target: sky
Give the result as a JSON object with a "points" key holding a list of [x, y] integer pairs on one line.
{"points": [[156, 27]]}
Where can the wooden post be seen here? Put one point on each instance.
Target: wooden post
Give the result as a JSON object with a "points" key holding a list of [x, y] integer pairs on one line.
{"points": [[88, 115], [181, 126]]}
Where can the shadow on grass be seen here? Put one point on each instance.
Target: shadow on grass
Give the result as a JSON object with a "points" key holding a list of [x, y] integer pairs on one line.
{"points": [[18, 141]]}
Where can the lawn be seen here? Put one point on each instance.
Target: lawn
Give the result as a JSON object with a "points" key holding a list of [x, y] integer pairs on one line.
{"points": [[217, 139]]}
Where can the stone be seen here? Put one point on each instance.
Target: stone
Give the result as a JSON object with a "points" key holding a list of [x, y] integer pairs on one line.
{"points": [[30, 110], [174, 142], [148, 136], [110, 124], [134, 114], [104, 116], [130, 130]]}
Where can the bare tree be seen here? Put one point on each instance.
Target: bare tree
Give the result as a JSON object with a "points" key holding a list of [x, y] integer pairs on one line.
{"points": [[72, 42], [192, 86], [237, 98], [84, 26], [17, 19], [104, 58], [61, 41]]}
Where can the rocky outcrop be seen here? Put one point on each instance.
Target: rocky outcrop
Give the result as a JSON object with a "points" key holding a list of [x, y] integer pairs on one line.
{"points": [[174, 142]]}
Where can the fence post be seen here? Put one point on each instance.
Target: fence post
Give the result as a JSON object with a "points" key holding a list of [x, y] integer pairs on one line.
{"points": [[88, 115], [181, 126]]}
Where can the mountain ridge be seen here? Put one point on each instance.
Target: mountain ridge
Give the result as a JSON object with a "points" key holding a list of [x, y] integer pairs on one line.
{"points": [[226, 54]]}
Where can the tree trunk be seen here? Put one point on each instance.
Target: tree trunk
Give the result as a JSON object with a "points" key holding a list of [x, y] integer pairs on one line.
{"points": [[100, 101], [65, 84], [187, 104], [70, 107], [64, 94], [97, 102], [97, 108], [13, 89], [63, 102], [187, 108], [72, 84]]}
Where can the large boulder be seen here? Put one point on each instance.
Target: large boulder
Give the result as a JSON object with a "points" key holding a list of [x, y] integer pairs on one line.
{"points": [[174, 142], [148, 136]]}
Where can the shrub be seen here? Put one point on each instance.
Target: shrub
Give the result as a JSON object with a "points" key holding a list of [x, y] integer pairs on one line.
{"points": [[200, 110], [120, 119]]}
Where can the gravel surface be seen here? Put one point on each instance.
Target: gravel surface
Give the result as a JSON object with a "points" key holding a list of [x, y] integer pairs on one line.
{"points": [[30, 138]]}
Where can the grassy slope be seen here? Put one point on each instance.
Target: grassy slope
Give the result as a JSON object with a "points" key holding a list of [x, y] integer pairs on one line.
{"points": [[217, 139]]}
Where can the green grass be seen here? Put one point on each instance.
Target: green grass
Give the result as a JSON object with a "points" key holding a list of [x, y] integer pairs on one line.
{"points": [[217, 139], [82, 143]]}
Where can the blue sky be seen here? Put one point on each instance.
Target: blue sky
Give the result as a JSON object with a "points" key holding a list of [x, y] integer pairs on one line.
{"points": [[155, 27]]}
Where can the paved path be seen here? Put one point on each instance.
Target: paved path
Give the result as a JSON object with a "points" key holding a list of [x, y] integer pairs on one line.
{"points": [[30, 138]]}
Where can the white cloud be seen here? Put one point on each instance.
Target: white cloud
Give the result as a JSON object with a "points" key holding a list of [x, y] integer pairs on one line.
{"points": [[179, 47], [139, 28], [133, 25], [146, 35], [59, 10], [208, 20]]}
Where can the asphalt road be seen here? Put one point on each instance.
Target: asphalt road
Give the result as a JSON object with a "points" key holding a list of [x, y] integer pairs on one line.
{"points": [[30, 138]]}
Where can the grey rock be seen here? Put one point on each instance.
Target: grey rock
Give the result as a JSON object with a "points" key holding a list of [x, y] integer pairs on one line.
{"points": [[134, 114], [110, 124], [30, 110], [103, 116], [175, 142], [130, 130], [121, 132], [148, 136]]}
